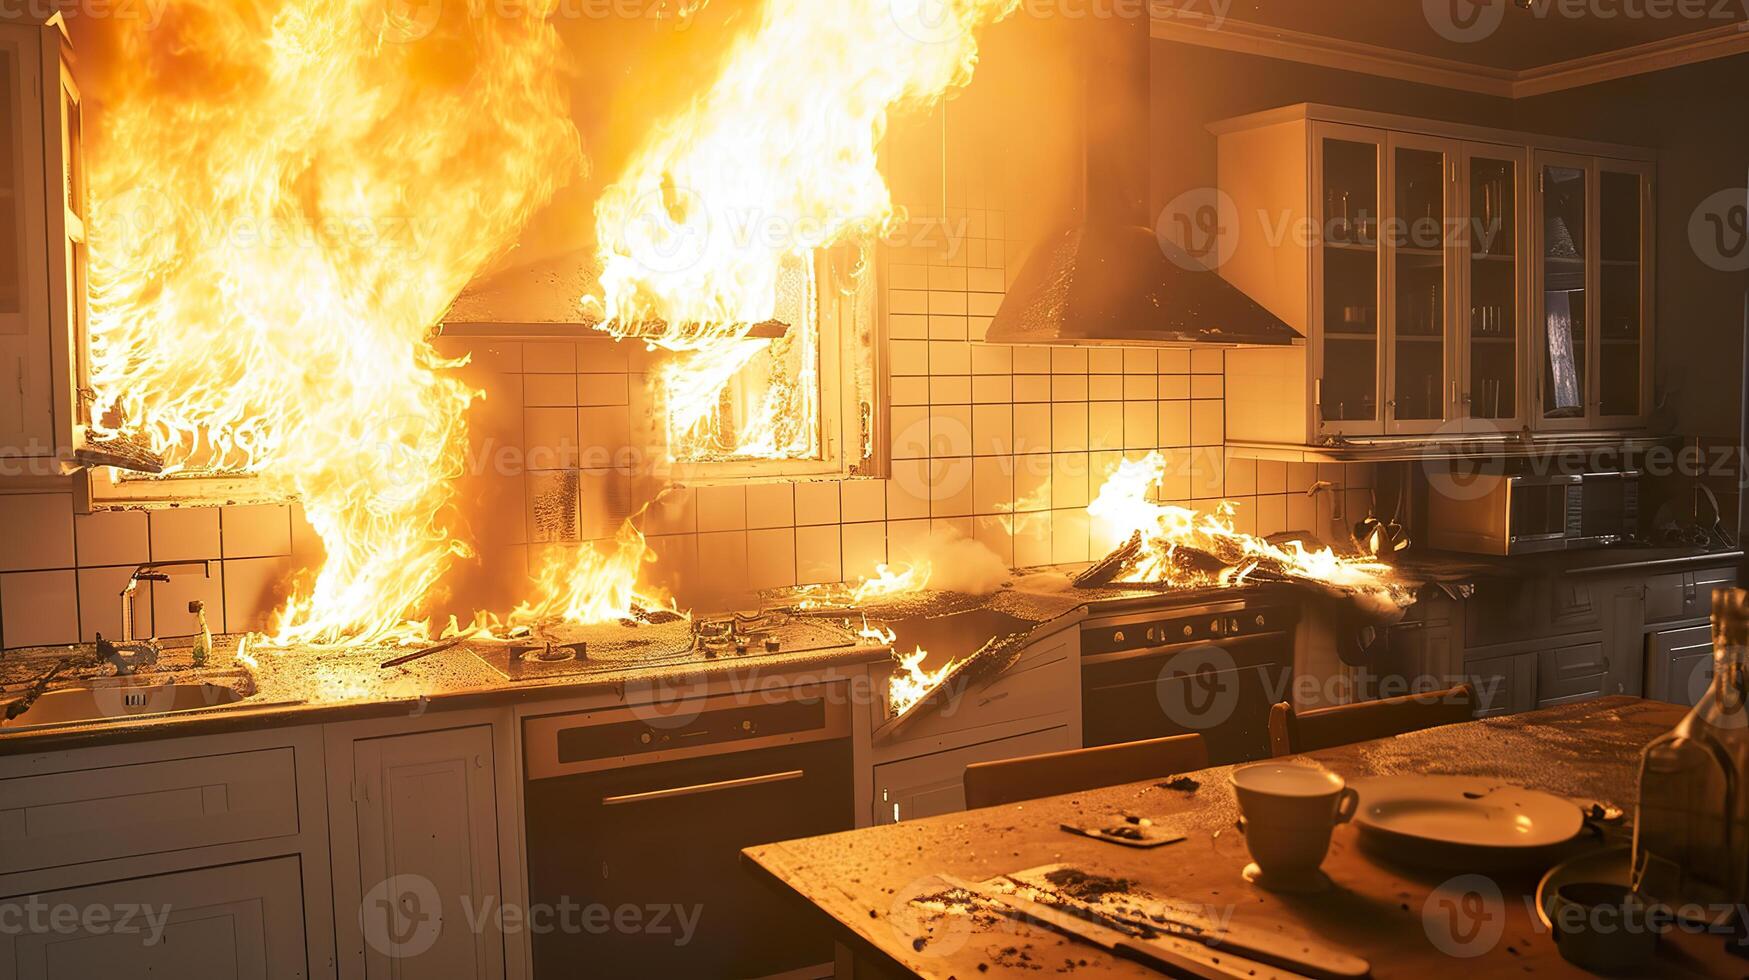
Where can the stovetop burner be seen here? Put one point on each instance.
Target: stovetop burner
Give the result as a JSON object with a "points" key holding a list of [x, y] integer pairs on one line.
{"points": [[566, 649]]}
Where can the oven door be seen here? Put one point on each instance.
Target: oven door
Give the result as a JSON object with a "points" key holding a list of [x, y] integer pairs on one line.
{"points": [[650, 856], [1222, 690]]}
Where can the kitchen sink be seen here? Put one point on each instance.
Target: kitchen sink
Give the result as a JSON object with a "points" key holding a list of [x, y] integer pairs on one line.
{"points": [[100, 699]]}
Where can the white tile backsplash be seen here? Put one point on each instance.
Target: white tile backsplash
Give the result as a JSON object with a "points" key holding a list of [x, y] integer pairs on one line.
{"points": [[39, 608], [36, 530], [116, 538], [185, 534]]}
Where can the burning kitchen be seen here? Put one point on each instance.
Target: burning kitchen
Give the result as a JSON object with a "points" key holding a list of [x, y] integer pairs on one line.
{"points": [[457, 446]]}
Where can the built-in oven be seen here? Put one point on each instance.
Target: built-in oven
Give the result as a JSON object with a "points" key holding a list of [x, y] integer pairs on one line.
{"points": [[636, 820], [1215, 670]]}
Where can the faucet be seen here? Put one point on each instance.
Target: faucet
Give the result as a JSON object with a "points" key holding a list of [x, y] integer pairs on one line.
{"points": [[130, 654]]}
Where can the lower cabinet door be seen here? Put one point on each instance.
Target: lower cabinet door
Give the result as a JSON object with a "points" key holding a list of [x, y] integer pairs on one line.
{"points": [[428, 856], [1679, 664], [238, 922], [935, 784], [1504, 685], [1570, 674]]}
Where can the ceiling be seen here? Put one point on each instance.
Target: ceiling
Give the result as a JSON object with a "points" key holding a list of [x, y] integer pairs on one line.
{"points": [[1505, 35]]}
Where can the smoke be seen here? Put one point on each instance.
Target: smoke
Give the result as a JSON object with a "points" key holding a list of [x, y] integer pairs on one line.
{"points": [[960, 564]]}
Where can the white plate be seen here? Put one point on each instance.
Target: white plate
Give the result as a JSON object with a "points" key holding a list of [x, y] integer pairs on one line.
{"points": [[1464, 811]]}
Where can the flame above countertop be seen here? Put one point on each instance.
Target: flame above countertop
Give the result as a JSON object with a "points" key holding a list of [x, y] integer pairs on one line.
{"points": [[285, 197]]}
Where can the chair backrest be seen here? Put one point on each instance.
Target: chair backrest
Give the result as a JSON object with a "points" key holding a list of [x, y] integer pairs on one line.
{"points": [[1054, 773], [1291, 732]]}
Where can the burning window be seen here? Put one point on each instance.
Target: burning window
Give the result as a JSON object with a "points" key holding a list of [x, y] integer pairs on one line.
{"points": [[795, 395]]}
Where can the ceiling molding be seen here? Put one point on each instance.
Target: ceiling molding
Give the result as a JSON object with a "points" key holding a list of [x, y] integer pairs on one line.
{"points": [[1244, 37], [1722, 41]]}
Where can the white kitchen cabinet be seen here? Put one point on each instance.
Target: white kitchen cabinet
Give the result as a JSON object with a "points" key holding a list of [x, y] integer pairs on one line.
{"points": [[42, 246], [417, 880], [934, 784], [237, 922], [223, 837], [1032, 707], [1400, 248]]}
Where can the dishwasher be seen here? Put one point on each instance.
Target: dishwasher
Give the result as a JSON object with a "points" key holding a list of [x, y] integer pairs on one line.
{"points": [[635, 817]]}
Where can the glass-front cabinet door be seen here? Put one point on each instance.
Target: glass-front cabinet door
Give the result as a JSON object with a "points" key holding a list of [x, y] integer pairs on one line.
{"points": [[1624, 216], [1419, 283], [1564, 248], [1491, 348], [1592, 292], [1348, 275]]}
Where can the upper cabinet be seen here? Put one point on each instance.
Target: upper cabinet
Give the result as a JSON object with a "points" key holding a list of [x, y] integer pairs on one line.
{"points": [[1592, 293], [1432, 267], [41, 246]]}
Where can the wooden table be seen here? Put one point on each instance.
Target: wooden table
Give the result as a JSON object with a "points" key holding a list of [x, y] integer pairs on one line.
{"points": [[1407, 922]]}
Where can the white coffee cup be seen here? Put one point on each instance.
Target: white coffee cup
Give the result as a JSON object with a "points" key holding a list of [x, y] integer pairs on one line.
{"points": [[1288, 813]]}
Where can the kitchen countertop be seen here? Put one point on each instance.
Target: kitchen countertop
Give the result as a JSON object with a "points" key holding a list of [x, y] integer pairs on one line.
{"points": [[308, 686], [292, 686], [295, 687], [1450, 565]]}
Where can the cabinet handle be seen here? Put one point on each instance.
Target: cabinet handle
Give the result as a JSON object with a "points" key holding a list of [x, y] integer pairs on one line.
{"points": [[701, 788]]}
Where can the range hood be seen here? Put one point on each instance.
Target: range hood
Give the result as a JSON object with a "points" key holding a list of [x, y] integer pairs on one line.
{"points": [[1107, 278]]}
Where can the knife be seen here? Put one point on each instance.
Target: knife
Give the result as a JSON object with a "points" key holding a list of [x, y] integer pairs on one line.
{"points": [[1289, 952], [1179, 957]]}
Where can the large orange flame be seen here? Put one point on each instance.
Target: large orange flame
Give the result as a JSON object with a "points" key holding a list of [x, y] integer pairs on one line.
{"points": [[777, 159], [1123, 509], [286, 197]]}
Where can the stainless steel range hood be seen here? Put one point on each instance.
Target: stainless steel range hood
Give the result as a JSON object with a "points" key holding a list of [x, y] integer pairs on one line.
{"points": [[1107, 278]]}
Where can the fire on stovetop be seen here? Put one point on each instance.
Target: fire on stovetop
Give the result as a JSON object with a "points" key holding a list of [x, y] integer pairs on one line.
{"points": [[1185, 548]]}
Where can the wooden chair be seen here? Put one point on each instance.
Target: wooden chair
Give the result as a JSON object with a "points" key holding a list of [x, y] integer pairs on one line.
{"points": [[1054, 773], [1291, 733]]}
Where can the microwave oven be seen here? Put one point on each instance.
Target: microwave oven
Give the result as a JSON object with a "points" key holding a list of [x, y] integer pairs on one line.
{"points": [[1517, 515]]}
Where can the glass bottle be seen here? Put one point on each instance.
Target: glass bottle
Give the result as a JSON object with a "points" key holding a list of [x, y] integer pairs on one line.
{"points": [[203, 640], [1691, 832]]}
